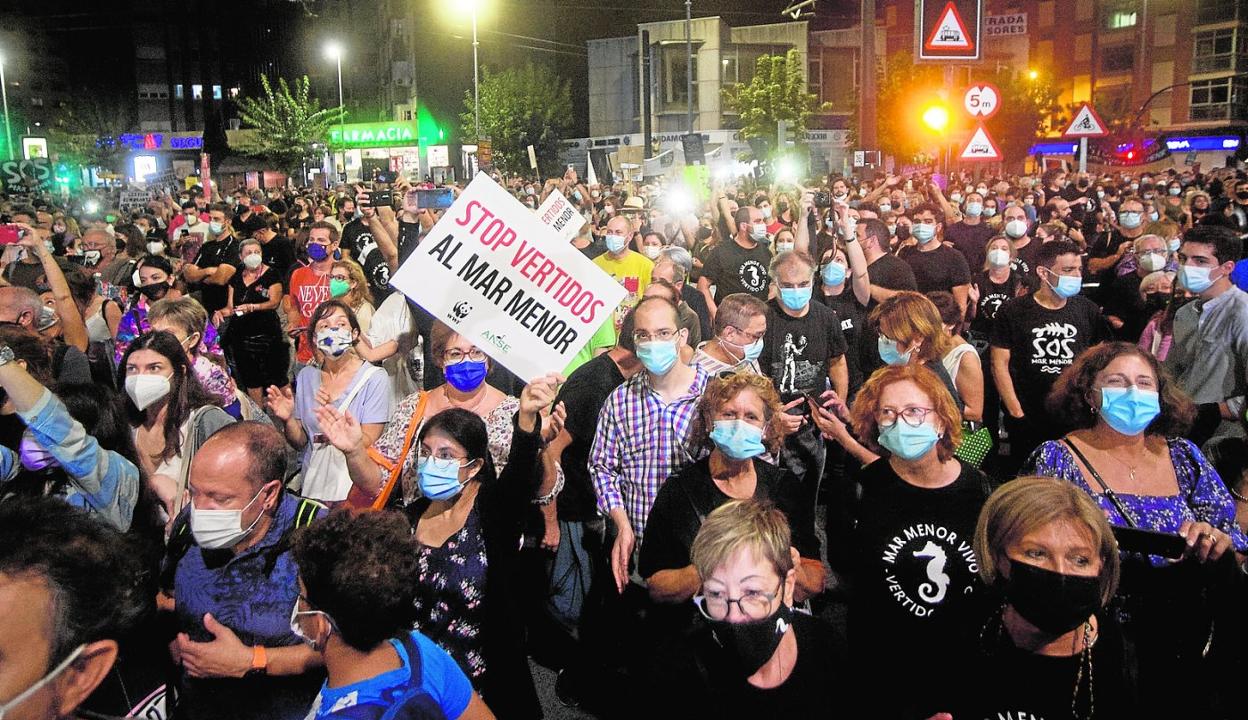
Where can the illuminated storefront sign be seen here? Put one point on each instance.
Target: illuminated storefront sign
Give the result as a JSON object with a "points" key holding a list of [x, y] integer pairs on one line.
{"points": [[162, 141], [1203, 142], [377, 134]]}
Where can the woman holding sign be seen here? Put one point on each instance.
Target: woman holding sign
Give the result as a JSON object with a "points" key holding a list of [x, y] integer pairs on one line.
{"points": [[468, 514]]}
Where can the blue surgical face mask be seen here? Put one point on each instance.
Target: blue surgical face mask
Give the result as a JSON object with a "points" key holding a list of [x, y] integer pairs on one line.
{"points": [[923, 232], [833, 274], [439, 478], [738, 439], [974, 209], [795, 298], [908, 443], [758, 232], [1173, 244], [1130, 220], [890, 354], [1067, 286], [1195, 279], [658, 356], [885, 207], [317, 252], [1129, 410], [748, 352], [990, 211], [616, 243], [467, 375]]}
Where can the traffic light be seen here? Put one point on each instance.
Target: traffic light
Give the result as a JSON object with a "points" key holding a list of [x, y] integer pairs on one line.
{"points": [[936, 118], [784, 134]]}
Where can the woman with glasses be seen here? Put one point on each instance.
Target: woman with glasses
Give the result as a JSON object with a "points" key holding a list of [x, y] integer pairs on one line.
{"points": [[467, 519], [912, 565], [348, 283], [753, 656], [1128, 453], [736, 418]]}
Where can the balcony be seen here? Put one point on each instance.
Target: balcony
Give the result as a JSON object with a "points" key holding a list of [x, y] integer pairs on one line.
{"points": [[1210, 12], [1226, 111], [1226, 62]]}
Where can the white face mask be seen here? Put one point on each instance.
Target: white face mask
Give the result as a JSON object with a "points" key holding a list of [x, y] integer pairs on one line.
{"points": [[652, 251], [41, 682], [295, 612], [252, 261], [216, 529], [146, 389], [156, 248]]}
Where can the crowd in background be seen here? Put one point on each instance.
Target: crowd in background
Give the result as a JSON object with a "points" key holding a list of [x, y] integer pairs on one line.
{"points": [[998, 421]]}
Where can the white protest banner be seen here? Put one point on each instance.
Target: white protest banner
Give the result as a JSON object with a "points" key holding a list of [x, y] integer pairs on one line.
{"points": [[495, 274], [132, 200], [560, 215], [161, 180]]}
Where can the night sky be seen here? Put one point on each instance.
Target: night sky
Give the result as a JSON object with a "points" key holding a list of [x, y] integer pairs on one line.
{"points": [[96, 38]]}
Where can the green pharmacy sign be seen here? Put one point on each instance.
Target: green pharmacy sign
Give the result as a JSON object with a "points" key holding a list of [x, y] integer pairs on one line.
{"points": [[365, 135]]}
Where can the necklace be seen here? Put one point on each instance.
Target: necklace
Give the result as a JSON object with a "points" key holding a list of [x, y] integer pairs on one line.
{"points": [[1237, 495], [1130, 468], [1084, 670]]}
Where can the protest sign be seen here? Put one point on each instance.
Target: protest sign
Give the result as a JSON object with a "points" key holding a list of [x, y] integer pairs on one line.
{"points": [[561, 216], [162, 180], [495, 274], [133, 200]]}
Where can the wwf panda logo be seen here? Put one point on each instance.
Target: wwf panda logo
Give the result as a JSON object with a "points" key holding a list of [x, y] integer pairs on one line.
{"points": [[461, 310]]}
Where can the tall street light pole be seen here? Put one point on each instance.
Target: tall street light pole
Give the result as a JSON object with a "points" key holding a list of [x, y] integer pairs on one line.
{"points": [[334, 50], [8, 127], [689, 61], [476, 79]]}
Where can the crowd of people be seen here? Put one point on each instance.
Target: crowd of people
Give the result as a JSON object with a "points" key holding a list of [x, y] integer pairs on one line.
{"points": [[921, 446]]}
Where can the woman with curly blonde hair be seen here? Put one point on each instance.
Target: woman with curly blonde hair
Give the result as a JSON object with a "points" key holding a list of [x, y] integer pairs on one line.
{"points": [[737, 418]]}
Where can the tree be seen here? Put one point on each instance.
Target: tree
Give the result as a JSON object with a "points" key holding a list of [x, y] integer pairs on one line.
{"points": [[778, 91], [907, 89], [524, 106], [88, 132], [286, 123]]}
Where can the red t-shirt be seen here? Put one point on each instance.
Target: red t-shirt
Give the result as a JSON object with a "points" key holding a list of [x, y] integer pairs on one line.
{"points": [[308, 289]]}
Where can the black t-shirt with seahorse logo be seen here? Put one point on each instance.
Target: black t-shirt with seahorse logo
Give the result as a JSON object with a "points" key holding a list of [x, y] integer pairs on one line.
{"points": [[915, 584]]}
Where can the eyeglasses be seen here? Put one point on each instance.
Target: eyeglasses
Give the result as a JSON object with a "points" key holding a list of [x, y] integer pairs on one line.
{"points": [[444, 454], [913, 416], [754, 604], [343, 278], [454, 356], [753, 336], [642, 336]]}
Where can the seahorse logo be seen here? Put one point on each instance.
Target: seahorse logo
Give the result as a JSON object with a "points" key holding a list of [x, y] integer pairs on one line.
{"points": [[934, 591]]}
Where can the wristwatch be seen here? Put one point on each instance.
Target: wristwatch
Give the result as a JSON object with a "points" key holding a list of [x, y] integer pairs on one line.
{"points": [[6, 355], [259, 661]]}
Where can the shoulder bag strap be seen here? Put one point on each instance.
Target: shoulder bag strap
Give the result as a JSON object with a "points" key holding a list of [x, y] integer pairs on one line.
{"points": [[355, 389], [189, 447], [396, 467], [1105, 489]]}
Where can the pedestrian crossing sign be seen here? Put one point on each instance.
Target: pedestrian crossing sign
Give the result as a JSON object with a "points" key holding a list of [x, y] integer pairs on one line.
{"points": [[981, 147]]}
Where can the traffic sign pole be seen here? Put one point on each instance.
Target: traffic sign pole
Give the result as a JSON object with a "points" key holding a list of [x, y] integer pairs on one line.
{"points": [[1083, 155]]}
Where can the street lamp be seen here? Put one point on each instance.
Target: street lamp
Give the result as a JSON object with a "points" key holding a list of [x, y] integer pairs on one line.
{"points": [[4, 94], [334, 50], [476, 80], [1033, 75]]}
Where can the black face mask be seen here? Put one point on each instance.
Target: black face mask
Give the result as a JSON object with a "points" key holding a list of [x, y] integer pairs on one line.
{"points": [[1242, 195], [155, 291], [1055, 603], [751, 644], [1155, 301]]}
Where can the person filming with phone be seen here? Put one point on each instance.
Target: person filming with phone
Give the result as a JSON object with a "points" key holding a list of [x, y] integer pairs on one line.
{"points": [[1128, 452]]}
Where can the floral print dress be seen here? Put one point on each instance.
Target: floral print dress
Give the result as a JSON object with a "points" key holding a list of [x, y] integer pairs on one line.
{"points": [[449, 610]]}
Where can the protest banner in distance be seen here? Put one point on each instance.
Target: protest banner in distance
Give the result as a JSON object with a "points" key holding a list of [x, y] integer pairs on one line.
{"points": [[561, 216], [493, 272], [133, 200]]}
